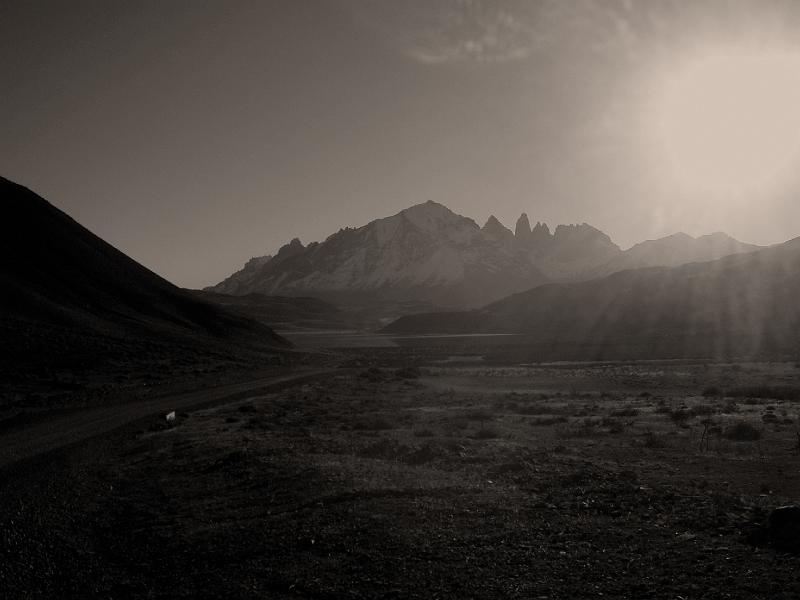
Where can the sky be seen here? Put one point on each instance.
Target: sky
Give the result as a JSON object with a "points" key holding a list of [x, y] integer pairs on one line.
{"points": [[193, 135]]}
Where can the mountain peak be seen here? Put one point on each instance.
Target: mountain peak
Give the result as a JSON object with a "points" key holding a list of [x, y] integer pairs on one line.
{"points": [[522, 231], [429, 206], [294, 244], [496, 230], [540, 232], [293, 248], [428, 209], [432, 216]]}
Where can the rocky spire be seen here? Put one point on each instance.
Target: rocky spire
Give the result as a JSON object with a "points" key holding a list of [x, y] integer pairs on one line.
{"points": [[523, 229], [540, 234]]}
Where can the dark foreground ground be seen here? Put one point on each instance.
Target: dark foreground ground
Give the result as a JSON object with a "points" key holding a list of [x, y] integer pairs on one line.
{"points": [[459, 481]]}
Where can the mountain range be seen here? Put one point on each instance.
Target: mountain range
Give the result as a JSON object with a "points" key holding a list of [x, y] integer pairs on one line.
{"points": [[71, 298], [427, 253]]}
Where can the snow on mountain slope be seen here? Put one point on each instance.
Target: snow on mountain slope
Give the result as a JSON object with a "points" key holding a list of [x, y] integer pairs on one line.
{"points": [[424, 252]]}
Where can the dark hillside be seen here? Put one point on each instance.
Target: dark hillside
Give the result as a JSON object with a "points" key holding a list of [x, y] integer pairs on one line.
{"points": [[69, 297]]}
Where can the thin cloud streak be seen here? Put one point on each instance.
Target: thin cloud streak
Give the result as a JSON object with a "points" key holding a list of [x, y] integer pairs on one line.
{"points": [[497, 31], [457, 30]]}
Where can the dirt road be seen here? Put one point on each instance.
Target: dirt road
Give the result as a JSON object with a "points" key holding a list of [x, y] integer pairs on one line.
{"points": [[74, 427]]}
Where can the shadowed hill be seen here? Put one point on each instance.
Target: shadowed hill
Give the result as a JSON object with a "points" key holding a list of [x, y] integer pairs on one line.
{"points": [[66, 291], [280, 311], [741, 305]]}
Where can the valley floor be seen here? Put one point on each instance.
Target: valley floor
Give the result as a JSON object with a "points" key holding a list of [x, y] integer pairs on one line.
{"points": [[458, 480]]}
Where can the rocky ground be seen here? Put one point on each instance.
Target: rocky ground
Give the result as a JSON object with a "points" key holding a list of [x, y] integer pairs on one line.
{"points": [[454, 481]]}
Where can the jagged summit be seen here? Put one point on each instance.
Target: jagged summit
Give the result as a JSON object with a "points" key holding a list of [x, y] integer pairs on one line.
{"points": [[289, 250], [292, 246], [423, 253], [541, 227], [522, 231], [532, 238], [540, 234]]}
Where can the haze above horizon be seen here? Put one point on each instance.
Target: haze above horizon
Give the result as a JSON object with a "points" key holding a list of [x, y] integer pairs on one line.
{"points": [[193, 136]]}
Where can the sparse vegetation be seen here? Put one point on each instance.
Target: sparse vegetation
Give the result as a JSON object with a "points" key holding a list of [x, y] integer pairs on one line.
{"points": [[486, 434], [548, 421], [730, 407], [680, 415], [650, 439], [713, 392], [373, 374], [408, 373], [534, 409], [318, 470], [627, 411], [480, 415], [614, 425], [774, 392], [742, 431], [373, 424]]}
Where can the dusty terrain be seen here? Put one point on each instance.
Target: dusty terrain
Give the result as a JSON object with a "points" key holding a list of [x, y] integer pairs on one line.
{"points": [[455, 481], [30, 434]]}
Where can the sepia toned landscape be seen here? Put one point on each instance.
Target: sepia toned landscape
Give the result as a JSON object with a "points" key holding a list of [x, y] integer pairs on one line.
{"points": [[448, 480], [427, 299]]}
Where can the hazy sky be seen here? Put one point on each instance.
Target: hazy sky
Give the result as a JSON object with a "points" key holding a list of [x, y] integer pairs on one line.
{"points": [[193, 135]]}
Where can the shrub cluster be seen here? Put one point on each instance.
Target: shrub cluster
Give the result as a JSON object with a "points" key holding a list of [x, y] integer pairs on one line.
{"points": [[776, 392], [742, 431], [713, 392]]}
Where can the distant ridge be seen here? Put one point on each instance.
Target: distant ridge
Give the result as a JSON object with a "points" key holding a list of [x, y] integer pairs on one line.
{"points": [[741, 305], [281, 311]]}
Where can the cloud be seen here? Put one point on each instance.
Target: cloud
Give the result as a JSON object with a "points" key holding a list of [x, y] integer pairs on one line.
{"points": [[444, 31], [473, 30], [496, 31]]}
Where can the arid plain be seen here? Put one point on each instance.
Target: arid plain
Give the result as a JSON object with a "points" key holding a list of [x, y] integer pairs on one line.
{"points": [[450, 478]]}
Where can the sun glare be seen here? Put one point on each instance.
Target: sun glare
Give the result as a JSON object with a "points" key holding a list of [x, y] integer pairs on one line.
{"points": [[731, 120]]}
